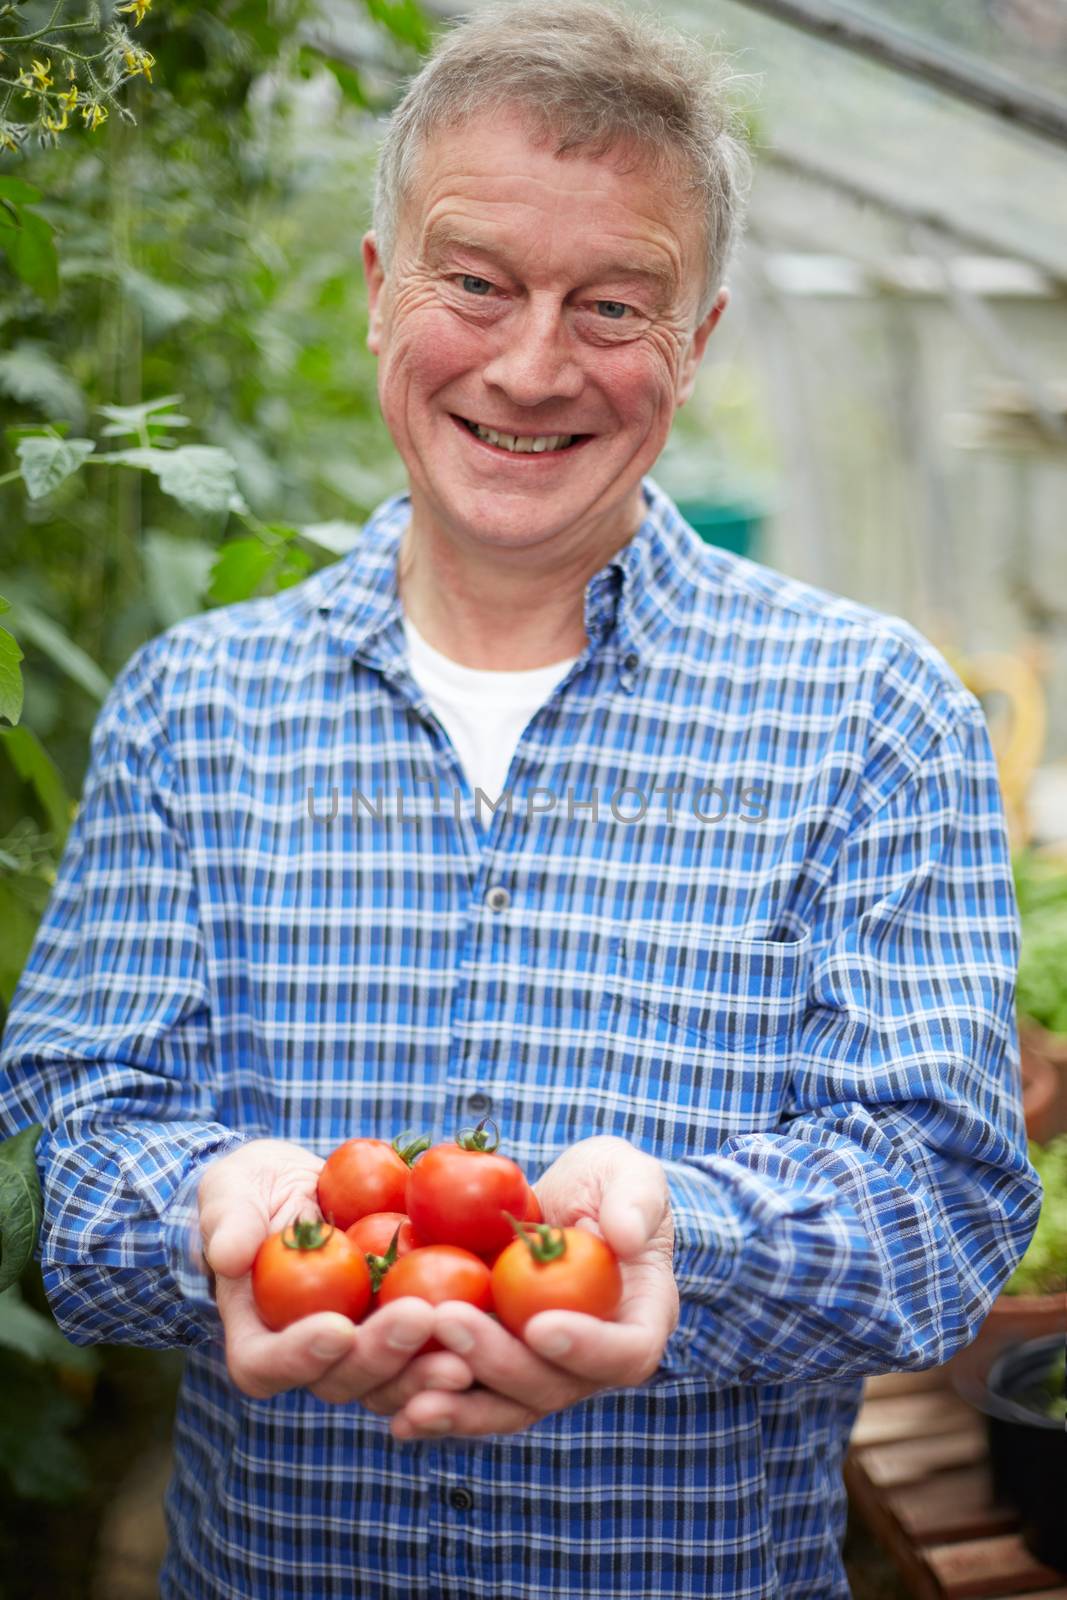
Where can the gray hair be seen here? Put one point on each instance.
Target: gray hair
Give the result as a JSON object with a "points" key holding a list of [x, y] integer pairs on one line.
{"points": [[589, 78]]}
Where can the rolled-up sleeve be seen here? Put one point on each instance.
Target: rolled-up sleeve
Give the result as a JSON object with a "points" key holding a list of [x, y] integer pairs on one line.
{"points": [[108, 1045], [873, 1227]]}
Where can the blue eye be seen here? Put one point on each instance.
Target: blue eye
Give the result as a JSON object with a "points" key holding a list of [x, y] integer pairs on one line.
{"points": [[469, 277], [618, 309]]}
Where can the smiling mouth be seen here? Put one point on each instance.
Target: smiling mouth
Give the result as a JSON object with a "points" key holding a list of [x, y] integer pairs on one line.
{"points": [[524, 444]]}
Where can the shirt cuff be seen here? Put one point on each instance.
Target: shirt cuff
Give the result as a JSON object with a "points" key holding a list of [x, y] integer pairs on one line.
{"points": [[708, 1241], [180, 1224]]}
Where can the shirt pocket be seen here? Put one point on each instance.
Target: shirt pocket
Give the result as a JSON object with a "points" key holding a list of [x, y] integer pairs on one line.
{"points": [[696, 1034]]}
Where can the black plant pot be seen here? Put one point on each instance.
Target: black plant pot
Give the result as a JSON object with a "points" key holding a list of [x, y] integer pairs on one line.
{"points": [[1027, 1446]]}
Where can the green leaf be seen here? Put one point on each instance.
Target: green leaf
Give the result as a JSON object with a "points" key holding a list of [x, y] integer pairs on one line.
{"points": [[22, 902], [10, 676], [21, 1207], [313, 56], [23, 194], [68, 656], [32, 254], [405, 20], [201, 477], [177, 573], [134, 419], [239, 570], [46, 462], [163, 305], [293, 567], [35, 766], [36, 1336], [336, 537], [30, 375]]}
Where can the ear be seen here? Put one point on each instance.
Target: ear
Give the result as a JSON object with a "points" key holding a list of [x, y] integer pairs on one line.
{"points": [[374, 273], [694, 354]]}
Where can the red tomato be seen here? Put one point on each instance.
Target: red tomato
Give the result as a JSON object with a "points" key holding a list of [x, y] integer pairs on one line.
{"points": [[373, 1233], [555, 1269], [458, 1194], [306, 1268], [438, 1272], [365, 1175], [533, 1213]]}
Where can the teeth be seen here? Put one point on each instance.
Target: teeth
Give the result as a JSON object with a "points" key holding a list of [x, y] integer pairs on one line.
{"points": [[522, 444]]}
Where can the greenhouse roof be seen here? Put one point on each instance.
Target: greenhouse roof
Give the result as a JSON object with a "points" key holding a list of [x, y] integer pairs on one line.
{"points": [[859, 118]]}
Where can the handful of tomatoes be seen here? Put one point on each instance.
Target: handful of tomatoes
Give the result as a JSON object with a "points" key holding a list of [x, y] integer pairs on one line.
{"points": [[443, 1222]]}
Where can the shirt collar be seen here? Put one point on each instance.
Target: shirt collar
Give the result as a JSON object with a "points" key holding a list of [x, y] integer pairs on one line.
{"points": [[629, 603]]}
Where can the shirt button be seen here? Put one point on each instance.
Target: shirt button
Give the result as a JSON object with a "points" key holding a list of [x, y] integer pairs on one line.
{"points": [[480, 1103], [630, 661], [498, 899], [460, 1499]]}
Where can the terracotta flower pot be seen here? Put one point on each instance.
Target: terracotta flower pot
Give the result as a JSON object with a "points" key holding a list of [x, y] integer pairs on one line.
{"points": [[1041, 1083], [1012, 1319]]}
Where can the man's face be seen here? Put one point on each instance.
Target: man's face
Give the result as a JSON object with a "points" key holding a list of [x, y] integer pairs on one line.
{"points": [[539, 297]]}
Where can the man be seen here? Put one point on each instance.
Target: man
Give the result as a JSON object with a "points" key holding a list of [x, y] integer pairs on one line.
{"points": [[730, 963]]}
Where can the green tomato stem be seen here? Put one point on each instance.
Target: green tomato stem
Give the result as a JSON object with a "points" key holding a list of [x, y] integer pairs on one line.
{"points": [[477, 1138], [408, 1152], [550, 1243]]}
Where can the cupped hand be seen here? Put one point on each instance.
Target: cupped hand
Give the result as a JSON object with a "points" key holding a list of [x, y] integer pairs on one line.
{"points": [[256, 1190], [608, 1185]]}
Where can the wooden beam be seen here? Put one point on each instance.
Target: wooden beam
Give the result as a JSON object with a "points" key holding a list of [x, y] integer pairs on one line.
{"points": [[996, 92]]}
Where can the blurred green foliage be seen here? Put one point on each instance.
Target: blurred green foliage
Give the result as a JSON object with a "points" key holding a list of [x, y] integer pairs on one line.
{"points": [[188, 408], [188, 417]]}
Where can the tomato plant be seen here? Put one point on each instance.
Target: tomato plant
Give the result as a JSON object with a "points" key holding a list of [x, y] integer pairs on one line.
{"points": [[460, 1193], [365, 1175], [307, 1268], [554, 1269], [438, 1272]]}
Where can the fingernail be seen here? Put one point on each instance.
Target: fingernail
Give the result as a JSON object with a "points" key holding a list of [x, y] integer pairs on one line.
{"points": [[456, 1337], [553, 1344], [404, 1339], [330, 1349], [438, 1425]]}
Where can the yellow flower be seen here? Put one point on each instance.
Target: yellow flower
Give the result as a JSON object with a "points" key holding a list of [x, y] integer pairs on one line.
{"points": [[93, 115], [55, 125], [69, 98], [41, 73], [139, 61], [138, 7]]}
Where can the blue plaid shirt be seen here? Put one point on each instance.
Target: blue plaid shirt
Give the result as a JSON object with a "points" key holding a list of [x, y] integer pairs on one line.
{"points": [[753, 912]]}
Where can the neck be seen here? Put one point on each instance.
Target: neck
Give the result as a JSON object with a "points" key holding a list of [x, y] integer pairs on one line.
{"points": [[498, 609]]}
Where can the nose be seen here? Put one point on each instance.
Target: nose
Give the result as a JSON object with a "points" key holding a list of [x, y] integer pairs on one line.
{"points": [[534, 364]]}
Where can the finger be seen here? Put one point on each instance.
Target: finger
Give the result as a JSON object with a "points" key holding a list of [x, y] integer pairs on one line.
{"points": [[618, 1354], [431, 1416], [633, 1203], [438, 1370], [500, 1361], [263, 1363], [386, 1344]]}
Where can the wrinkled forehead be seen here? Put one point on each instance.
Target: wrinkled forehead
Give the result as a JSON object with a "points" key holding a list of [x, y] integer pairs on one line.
{"points": [[489, 134]]}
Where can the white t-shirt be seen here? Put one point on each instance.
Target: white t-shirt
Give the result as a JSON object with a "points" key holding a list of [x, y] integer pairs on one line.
{"points": [[484, 713]]}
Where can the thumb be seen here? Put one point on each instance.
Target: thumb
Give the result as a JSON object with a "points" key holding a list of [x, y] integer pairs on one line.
{"points": [[233, 1225], [632, 1204]]}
